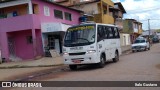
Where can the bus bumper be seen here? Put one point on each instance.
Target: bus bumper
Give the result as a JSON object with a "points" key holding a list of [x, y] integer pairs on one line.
{"points": [[81, 59]]}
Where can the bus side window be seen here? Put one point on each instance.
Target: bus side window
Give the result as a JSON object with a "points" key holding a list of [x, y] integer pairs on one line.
{"points": [[118, 36], [100, 33], [105, 32], [115, 32], [110, 33]]}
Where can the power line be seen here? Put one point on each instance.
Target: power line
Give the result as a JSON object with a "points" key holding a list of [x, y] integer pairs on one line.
{"points": [[145, 8], [155, 19], [149, 19], [142, 11]]}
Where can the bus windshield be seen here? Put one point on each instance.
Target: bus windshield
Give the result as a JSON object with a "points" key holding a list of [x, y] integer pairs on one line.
{"points": [[80, 36]]}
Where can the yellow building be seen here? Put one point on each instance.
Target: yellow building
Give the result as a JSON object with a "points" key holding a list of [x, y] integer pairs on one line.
{"points": [[140, 28], [133, 27], [105, 14], [96, 10]]}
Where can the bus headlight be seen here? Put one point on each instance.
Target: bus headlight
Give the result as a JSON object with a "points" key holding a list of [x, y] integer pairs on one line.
{"points": [[91, 51], [65, 53]]}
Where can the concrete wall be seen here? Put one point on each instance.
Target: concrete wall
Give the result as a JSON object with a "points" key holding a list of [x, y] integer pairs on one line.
{"points": [[125, 39], [91, 8], [109, 2], [107, 19], [125, 48]]}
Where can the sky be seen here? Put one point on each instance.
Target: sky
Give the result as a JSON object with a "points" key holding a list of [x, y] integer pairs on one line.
{"points": [[142, 10]]}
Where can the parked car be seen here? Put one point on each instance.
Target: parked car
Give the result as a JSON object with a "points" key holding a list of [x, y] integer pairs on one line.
{"points": [[155, 39], [140, 44]]}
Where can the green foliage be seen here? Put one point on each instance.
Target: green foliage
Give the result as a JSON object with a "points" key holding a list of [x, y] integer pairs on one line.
{"points": [[158, 31]]}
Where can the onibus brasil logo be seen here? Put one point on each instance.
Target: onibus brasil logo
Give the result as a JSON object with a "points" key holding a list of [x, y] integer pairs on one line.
{"points": [[20, 84]]}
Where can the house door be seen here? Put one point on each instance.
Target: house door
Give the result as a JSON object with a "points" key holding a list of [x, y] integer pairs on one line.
{"points": [[51, 42], [11, 46]]}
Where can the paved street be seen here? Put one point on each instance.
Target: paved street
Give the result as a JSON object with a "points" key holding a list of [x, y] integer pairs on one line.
{"points": [[35, 34], [140, 66]]}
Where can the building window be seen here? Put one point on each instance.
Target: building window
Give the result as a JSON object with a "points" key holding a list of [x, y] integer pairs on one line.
{"points": [[68, 16], [2, 14], [29, 39], [105, 11], [58, 14], [46, 11]]}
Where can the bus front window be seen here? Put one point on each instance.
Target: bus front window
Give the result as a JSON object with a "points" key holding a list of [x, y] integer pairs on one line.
{"points": [[79, 36]]}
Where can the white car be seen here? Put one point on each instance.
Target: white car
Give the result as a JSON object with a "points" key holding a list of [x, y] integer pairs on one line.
{"points": [[140, 44]]}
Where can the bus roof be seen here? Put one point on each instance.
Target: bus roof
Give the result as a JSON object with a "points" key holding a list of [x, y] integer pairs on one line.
{"points": [[98, 24]]}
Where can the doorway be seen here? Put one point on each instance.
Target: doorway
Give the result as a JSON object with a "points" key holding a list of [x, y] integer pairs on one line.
{"points": [[11, 46], [51, 41], [54, 42]]}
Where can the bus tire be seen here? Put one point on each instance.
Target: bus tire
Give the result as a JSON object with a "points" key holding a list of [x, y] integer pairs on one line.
{"points": [[73, 67], [101, 64], [116, 57]]}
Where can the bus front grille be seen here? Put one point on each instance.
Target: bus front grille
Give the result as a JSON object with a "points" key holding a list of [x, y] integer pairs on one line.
{"points": [[79, 53]]}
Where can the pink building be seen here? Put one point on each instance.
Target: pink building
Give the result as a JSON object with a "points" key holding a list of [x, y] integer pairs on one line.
{"points": [[27, 27]]}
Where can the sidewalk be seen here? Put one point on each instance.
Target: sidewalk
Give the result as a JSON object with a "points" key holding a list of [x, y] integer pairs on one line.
{"points": [[43, 62], [125, 48]]}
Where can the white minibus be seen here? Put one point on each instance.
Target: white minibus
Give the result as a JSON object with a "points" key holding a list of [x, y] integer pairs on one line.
{"points": [[91, 43]]}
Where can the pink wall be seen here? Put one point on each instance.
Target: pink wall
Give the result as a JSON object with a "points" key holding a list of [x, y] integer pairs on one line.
{"points": [[4, 45], [22, 48], [51, 18], [19, 23], [20, 26], [39, 42]]}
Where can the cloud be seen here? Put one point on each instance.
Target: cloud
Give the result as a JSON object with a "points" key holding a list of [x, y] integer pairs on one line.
{"points": [[143, 10]]}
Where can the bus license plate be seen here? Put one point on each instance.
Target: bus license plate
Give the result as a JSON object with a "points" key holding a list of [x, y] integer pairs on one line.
{"points": [[76, 61]]}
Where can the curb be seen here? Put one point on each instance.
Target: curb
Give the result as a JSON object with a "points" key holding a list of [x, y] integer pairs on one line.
{"points": [[126, 52], [28, 77], [24, 66], [18, 66]]}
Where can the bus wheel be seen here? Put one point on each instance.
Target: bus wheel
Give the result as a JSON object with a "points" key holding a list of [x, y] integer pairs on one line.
{"points": [[102, 62], [73, 67], [116, 57]]}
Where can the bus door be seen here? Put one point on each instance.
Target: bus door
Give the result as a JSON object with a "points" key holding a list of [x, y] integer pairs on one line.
{"points": [[110, 42], [107, 43], [101, 41]]}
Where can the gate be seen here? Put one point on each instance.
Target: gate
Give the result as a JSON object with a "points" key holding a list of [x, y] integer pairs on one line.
{"points": [[11, 46]]}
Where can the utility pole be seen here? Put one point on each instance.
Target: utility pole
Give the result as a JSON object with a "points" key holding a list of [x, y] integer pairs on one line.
{"points": [[149, 28], [150, 41]]}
